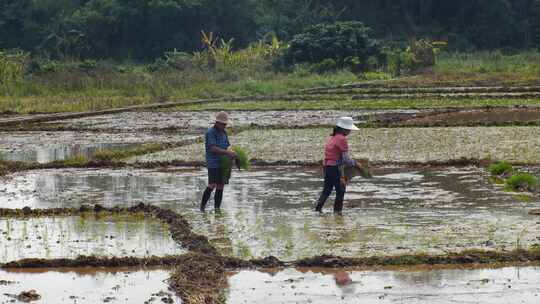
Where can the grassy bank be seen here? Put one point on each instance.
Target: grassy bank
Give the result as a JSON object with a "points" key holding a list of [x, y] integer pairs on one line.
{"points": [[83, 86]]}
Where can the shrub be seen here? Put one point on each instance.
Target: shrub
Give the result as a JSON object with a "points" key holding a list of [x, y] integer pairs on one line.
{"points": [[500, 168], [339, 41], [419, 55], [12, 66], [327, 65], [179, 60], [87, 65], [522, 182]]}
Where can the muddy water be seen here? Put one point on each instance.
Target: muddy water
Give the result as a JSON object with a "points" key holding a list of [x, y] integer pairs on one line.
{"points": [[269, 212], [45, 147], [69, 237], [494, 286], [200, 120], [122, 285], [517, 144]]}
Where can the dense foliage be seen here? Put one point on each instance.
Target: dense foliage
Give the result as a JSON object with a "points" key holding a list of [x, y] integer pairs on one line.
{"points": [[340, 44], [145, 29]]}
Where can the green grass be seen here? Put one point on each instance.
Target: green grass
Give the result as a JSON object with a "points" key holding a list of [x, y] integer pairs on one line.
{"points": [[521, 179], [500, 168], [347, 104], [68, 88], [527, 63], [114, 155], [105, 90]]}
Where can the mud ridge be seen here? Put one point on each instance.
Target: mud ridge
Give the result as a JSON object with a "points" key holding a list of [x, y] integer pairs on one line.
{"points": [[199, 279], [466, 257], [94, 261]]}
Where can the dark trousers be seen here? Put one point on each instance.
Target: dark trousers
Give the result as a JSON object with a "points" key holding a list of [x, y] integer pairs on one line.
{"points": [[332, 181]]}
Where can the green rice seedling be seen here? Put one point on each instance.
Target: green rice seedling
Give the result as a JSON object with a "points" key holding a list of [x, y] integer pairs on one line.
{"points": [[75, 161], [500, 168], [522, 181]]}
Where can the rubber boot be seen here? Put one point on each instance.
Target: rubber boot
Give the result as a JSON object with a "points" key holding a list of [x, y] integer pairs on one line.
{"points": [[206, 196], [320, 203], [218, 197]]}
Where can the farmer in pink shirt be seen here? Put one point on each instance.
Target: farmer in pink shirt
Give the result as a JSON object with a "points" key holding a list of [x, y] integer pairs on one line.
{"points": [[336, 153]]}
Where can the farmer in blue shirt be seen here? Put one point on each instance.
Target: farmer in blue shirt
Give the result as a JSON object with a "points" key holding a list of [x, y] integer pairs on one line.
{"points": [[217, 143]]}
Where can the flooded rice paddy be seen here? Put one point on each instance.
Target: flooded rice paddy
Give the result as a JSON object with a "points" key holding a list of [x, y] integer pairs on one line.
{"points": [[494, 286], [270, 212], [43, 147], [125, 285], [89, 285], [514, 144], [71, 236], [200, 120]]}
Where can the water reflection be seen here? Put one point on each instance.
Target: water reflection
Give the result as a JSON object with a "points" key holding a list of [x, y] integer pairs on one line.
{"points": [[89, 285], [504, 285], [69, 237], [269, 212], [49, 154]]}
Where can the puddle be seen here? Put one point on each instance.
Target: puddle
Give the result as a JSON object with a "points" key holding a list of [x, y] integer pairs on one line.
{"points": [[200, 120], [514, 144], [71, 236], [504, 285], [122, 285], [269, 212], [45, 147]]}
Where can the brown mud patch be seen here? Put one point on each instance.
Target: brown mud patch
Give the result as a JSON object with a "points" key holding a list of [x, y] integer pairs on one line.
{"points": [[484, 117]]}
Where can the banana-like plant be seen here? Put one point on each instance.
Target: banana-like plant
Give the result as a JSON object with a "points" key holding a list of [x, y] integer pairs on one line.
{"points": [[209, 42]]}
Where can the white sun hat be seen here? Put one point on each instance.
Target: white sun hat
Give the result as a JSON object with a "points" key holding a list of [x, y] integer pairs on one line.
{"points": [[222, 117], [346, 123]]}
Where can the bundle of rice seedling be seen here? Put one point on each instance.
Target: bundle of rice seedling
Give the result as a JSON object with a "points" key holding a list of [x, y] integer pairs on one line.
{"points": [[363, 165], [361, 169], [242, 158], [241, 162]]}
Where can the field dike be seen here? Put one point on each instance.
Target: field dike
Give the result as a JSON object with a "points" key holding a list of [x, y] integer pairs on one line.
{"points": [[200, 276]]}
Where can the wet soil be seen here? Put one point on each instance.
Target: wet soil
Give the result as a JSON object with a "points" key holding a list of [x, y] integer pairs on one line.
{"points": [[269, 212], [477, 117], [90, 285], [503, 285], [46, 147], [200, 279], [385, 145], [199, 121]]}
